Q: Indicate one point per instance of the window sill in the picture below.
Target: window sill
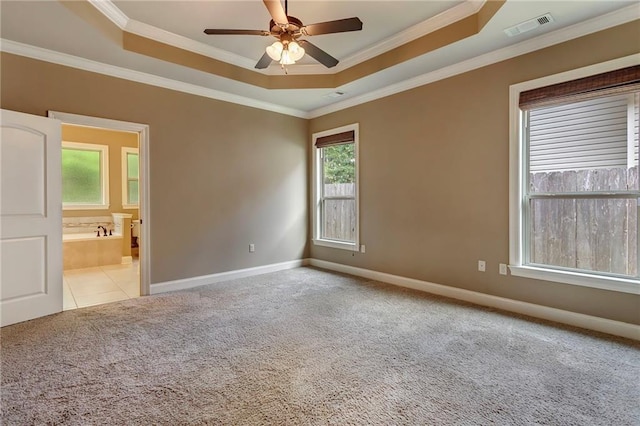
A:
(129, 206)
(623, 285)
(336, 244)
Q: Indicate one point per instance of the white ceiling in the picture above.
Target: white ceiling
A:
(57, 27)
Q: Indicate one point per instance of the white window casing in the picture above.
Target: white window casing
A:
(613, 149)
(317, 191)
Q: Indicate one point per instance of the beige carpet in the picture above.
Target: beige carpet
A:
(310, 347)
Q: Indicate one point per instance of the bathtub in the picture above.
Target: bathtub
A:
(88, 236)
(86, 250)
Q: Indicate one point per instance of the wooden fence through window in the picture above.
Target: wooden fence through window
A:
(339, 215)
(582, 233)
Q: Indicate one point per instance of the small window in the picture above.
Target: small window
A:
(336, 188)
(575, 196)
(85, 176)
(130, 178)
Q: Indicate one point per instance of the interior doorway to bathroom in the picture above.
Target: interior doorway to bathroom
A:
(104, 194)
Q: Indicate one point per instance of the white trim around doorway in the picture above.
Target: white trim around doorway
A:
(143, 142)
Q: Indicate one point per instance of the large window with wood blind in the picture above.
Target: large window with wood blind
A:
(574, 177)
(335, 188)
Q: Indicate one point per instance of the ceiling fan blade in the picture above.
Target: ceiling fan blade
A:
(264, 62)
(318, 54)
(339, 26)
(236, 32)
(276, 11)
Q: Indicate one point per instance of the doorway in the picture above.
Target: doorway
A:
(124, 215)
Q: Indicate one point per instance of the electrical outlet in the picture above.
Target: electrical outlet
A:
(252, 248)
(482, 265)
(363, 249)
(503, 269)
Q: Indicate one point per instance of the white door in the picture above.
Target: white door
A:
(30, 217)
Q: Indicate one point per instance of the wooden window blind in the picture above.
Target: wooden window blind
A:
(336, 139)
(624, 80)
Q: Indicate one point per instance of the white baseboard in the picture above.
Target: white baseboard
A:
(127, 260)
(224, 276)
(617, 328)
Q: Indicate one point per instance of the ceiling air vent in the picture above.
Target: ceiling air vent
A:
(529, 25)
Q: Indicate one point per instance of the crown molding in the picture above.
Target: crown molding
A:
(599, 23)
(448, 17)
(172, 39)
(51, 56)
(423, 28)
(111, 11)
(122, 21)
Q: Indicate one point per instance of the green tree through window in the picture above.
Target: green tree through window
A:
(339, 163)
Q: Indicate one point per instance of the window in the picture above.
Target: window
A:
(130, 178)
(85, 176)
(574, 178)
(335, 170)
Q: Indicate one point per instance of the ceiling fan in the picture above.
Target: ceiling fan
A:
(287, 30)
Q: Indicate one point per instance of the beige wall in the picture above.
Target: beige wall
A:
(434, 179)
(434, 173)
(221, 175)
(115, 140)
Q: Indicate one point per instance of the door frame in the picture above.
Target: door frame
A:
(143, 151)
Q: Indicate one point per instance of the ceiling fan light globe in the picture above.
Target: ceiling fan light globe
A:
(286, 58)
(298, 55)
(295, 51)
(275, 51)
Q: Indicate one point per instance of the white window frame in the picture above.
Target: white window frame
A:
(104, 178)
(517, 159)
(317, 190)
(125, 177)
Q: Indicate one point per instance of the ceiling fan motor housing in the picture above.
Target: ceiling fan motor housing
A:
(292, 27)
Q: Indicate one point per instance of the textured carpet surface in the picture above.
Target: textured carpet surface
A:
(311, 347)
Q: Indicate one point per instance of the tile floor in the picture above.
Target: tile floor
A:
(103, 284)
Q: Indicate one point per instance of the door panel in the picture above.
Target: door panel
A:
(23, 169)
(22, 262)
(30, 217)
